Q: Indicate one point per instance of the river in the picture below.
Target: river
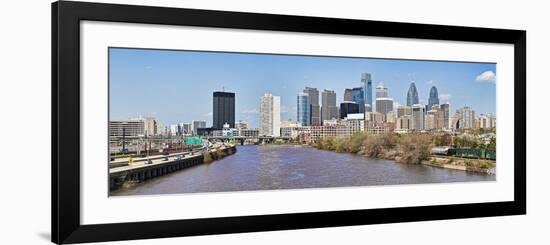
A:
(272, 167)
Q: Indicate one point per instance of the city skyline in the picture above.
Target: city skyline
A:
(177, 86)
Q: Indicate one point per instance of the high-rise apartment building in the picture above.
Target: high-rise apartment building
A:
(270, 115)
(466, 117)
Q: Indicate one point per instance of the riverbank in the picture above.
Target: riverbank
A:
(407, 149)
(470, 165)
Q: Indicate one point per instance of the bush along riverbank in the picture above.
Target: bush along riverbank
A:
(403, 148)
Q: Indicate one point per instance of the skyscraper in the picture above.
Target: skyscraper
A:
(434, 98)
(466, 117)
(224, 110)
(384, 104)
(315, 107)
(366, 83)
(304, 109)
(270, 115)
(418, 117)
(347, 94)
(329, 110)
(446, 111)
(412, 95)
(358, 96)
(381, 91)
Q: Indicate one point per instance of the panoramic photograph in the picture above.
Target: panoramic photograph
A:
(183, 121)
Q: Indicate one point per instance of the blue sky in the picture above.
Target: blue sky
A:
(177, 86)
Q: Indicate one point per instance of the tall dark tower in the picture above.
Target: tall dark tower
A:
(412, 95)
(434, 98)
(224, 110)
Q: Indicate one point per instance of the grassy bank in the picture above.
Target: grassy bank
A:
(408, 148)
(403, 148)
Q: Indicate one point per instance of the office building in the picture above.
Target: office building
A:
(404, 110)
(303, 109)
(357, 96)
(315, 115)
(241, 124)
(186, 128)
(412, 95)
(487, 121)
(404, 122)
(381, 91)
(197, 124)
(374, 117)
(329, 110)
(348, 107)
(446, 114)
(223, 109)
(127, 128)
(434, 98)
(347, 94)
(366, 83)
(418, 116)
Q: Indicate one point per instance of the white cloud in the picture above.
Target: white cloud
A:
(250, 111)
(487, 77)
(445, 97)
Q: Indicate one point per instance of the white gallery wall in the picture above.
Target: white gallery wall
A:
(25, 102)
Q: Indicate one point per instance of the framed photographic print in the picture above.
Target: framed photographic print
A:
(176, 122)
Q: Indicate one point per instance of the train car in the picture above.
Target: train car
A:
(443, 151)
(476, 153)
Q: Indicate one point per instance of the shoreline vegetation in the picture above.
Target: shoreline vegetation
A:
(405, 148)
(218, 153)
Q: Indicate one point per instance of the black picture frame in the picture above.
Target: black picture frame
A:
(65, 171)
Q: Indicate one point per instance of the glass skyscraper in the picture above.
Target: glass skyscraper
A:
(304, 109)
(412, 95)
(366, 83)
(358, 96)
(434, 98)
